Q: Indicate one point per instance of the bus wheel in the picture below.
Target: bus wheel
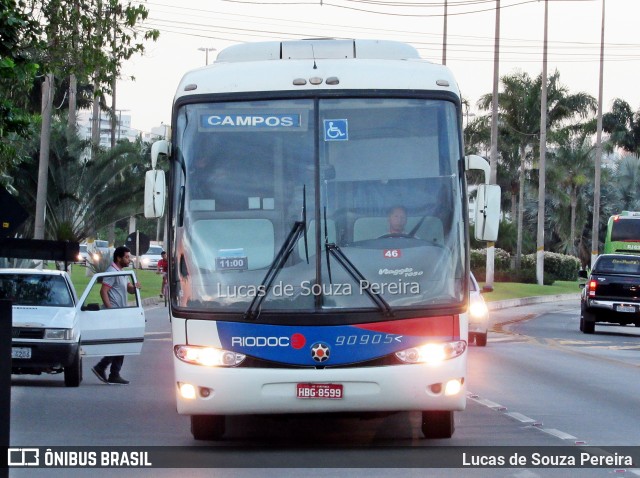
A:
(207, 427)
(437, 424)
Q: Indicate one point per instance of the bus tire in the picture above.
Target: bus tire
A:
(437, 424)
(207, 427)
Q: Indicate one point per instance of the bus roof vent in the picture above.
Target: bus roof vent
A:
(318, 49)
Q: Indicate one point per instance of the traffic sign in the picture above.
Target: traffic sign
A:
(132, 242)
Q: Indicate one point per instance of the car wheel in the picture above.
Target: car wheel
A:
(437, 424)
(587, 322)
(73, 372)
(207, 427)
(481, 340)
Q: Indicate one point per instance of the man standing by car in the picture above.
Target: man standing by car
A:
(163, 267)
(114, 295)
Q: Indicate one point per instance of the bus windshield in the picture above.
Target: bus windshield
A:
(360, 200)
(626, 230)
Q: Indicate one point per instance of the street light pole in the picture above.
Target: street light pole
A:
(598, 158)
(444, 36)
(206, 50)
(493, 159)
(543, 154)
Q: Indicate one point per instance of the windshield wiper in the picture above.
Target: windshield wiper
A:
(331, 249)
(356, 275)
(299, 228)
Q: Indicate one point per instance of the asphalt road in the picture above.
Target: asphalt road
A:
(539, 382)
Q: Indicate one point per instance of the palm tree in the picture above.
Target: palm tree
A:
(519, 105)
(623, 126)
(571, 169)
(84, 195)
(627, 177)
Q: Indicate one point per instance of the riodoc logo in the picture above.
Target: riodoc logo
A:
(296, 341)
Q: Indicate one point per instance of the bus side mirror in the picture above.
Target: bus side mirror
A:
(155, 193)
(487, 216)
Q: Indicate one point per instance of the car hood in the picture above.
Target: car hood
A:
(34, 316)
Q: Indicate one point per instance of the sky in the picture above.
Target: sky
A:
(574, 32)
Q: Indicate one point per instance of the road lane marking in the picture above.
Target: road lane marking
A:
(520, 417)
(557, 433)
(523, 418)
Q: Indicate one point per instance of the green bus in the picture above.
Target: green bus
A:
(623, 233)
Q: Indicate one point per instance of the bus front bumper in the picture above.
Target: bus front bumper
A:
(238, 391)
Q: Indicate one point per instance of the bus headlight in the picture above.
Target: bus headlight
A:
(433, 353)
(208, 356)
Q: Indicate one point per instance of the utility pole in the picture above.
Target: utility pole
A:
(43, 167)
(543, 154)
(206, 51)
(493, 159)
(598, 159)
(444, 35)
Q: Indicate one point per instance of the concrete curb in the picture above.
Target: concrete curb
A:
(152, 301)
(541, 299)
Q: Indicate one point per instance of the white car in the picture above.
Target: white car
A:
(98, 249)
(83, 254)
(53, 330)
(478, 314)
(149, 260)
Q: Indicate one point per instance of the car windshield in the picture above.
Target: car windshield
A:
(618, 265)
(35, 289)
(154, 251)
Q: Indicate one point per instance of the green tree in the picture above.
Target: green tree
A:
(519, 106)
(18, 35)
(571, 169)
(91, 37)
(627, 178)
(623, 126)
(85, 194)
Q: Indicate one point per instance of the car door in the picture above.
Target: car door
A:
(114, 331)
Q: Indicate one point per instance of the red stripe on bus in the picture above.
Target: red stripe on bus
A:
(421, 326)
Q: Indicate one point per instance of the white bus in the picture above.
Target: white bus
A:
(289, 291)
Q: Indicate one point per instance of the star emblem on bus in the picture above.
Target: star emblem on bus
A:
(320, 352)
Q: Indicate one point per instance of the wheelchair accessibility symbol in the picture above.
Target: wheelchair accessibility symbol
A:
(336, 130)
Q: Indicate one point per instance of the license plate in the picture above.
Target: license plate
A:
(625, 308)
(20, 353)
(323, 391)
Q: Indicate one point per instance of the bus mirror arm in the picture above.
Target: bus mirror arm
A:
(473, 161)
(159, 148)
